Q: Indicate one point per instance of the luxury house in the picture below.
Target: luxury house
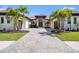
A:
(38, 21)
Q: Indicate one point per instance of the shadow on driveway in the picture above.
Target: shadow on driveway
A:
(48, 32)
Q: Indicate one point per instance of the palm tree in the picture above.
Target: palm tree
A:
(61, 15)
(23, 10)
(16, 15)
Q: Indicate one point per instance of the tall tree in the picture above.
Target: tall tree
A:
(14, 13)
(17, 14)
(61, 15)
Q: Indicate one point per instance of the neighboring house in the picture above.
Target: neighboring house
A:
(69, 23)
(7, 24)
(38, 21)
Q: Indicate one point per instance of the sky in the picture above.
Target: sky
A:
(42, 9)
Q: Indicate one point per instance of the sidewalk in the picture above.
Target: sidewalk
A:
(73, 44)
(4, 44)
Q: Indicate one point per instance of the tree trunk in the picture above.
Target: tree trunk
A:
(70, 26)
(62, 25)
(59, 28)
(15, 24)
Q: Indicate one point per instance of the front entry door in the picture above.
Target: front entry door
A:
(40, 24)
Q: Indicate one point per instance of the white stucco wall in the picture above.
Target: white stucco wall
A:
(52, 24)
(25, 24)
(7, 26)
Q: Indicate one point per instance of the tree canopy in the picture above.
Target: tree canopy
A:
(62, 13)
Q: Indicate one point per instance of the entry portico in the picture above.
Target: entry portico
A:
(39, 21)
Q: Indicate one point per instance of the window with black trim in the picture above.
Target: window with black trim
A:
(8, 19)
(75, 20)
(69, 20)
(2, 19)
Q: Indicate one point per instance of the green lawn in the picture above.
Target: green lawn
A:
(68, 36)
(11, 36)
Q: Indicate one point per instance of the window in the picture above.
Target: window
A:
(2, 19)
(40, 19)
(8, 19)
(69, 20)
(75, 20)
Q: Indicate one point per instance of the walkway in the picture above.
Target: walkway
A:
(39, 41)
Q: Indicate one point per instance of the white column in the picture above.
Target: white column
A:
(37, 22)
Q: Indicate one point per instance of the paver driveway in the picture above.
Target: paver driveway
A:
(38, 41)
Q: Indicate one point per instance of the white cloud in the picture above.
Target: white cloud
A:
(73, 8)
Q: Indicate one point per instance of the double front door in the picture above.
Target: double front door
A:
(40, 24)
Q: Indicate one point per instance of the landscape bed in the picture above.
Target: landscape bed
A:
(11, 36)
(68, 36)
